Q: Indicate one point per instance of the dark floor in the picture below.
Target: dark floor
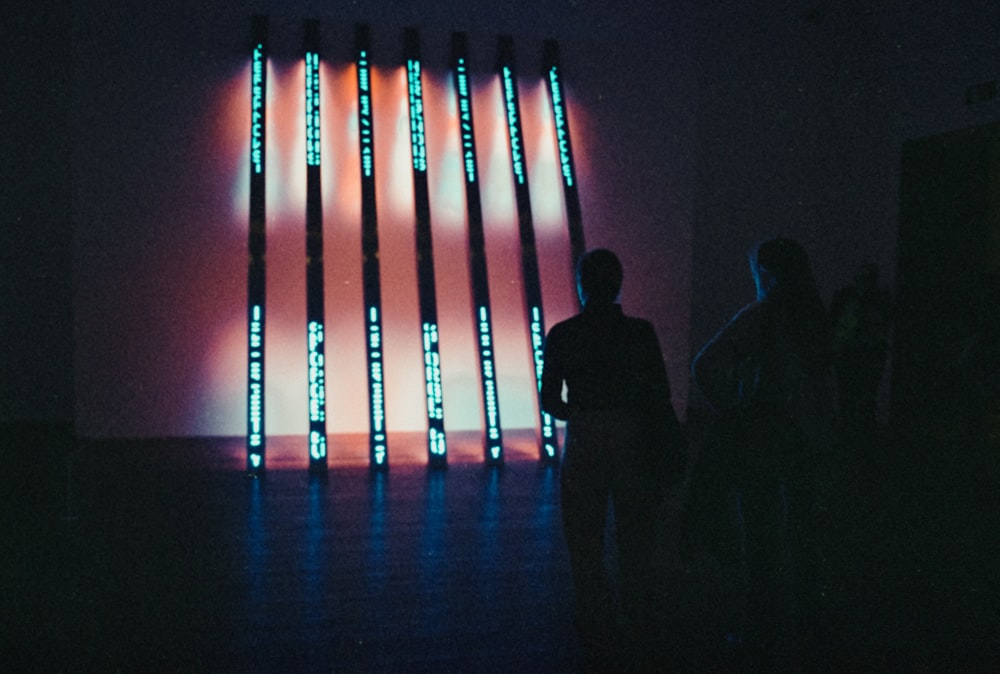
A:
(163, 556)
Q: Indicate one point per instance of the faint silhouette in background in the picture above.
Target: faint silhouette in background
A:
(861, 316)
(767, 374)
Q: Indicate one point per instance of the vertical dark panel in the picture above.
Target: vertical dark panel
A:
(377, 441)
(478, 269)
(529, 254)
(315, 322)
(256, 272)
(560, 118)
(944, 308)
(427, 293)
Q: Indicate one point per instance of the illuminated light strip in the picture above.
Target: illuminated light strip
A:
(256, 271)
(365, 130)
(317, 393)
(257, 88)
(418, 142)
(491, 402)
(315, 332)
(427, 293)
(461, 74)
(435, 406)
(312, 109)
(377, 433)
(513, 124)
(493, 444)
(549, 449)
(255, 437)
(562, 127)
(560, 118)
(378, 453)
(537, 349)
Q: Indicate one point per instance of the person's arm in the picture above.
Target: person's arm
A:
(664, 453)
(655, 370)
(716, 367)
(553, 377)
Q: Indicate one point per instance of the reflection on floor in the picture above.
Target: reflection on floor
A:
(161, 555)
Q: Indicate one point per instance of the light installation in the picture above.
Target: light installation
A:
(256, 276)
(560, 118)
(529, 256)
(493, 445)
(315, 333)
(427, 294)
(429, 325)
(378, 455)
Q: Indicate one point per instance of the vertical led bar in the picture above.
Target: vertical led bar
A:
(315, 332)
(256, 271)
(378, 455)
(529, 256)
(560, 118)
(483, 319)
(427, 294)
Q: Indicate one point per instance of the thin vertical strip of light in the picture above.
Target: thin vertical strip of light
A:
(315, 322)
(256, 276)
(548, 448)
(378, 453)
(426, 291)
(560, 119)
(478, 270)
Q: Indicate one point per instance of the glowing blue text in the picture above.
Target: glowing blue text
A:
(377, 402)
(562, 129)
(432, 379)
(537, 341)
(256, 402)
(465, 122)
(365, 116)
(312, 109)
(257, 110)
(489, 382)
(317, 390)
(417, 140)
(516, 156)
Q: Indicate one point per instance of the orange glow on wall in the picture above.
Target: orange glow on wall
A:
(220, 406)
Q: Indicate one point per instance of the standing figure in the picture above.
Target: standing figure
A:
(860, 315)
(767, 374)
(623, 441)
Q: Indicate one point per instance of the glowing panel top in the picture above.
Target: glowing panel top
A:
(562, 128)
(513, 125)
(365, 115)
(257, 110)
(465, 120)
(417, 138)
(312, 109)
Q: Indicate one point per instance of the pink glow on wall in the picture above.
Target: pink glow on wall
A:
(220, 410)
(160, 217)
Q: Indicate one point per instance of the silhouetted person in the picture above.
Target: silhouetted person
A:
(620, 432)
(767, 375)
(861, 321)
(975, 398)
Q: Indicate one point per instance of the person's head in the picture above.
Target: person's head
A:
(785, 282)
(598, 277)
(780, 267)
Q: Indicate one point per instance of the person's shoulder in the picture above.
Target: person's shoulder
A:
(637, 323)
(754, 311)
(746, 321)
(564, 327)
